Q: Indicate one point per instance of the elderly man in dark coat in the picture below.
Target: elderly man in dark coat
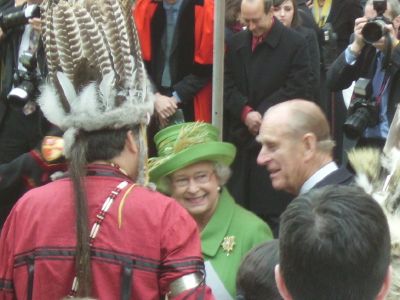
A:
(265, 64)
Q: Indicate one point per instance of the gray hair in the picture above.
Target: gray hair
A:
(223, 172)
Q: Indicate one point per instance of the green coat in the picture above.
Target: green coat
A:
(236, 223)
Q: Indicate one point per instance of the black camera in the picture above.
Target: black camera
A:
(375, 28)
(26, 82)
(19, 16)
(363, 111)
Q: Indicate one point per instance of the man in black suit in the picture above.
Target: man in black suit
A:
(297, 148)
(265, 64)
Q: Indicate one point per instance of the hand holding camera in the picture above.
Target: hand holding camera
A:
(377, 30)
(358, 43)
(36, 24)
(19, 16)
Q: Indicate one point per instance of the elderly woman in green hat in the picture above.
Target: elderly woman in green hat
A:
(192, 166)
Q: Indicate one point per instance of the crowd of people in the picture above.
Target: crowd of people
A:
(114, 184)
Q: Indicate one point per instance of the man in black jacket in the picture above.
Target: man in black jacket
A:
(265, 64)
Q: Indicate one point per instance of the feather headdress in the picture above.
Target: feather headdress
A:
(378, 173)
(96, 76)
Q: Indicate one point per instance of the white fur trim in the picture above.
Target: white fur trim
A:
(94, 107)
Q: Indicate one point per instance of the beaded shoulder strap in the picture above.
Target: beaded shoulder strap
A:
(96, 226)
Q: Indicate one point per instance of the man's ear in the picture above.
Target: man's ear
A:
(130, 142)
(385, 285)
(310, 145)
(280, 283)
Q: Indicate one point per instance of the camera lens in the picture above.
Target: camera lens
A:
(22, 93)
(356, 123)
(373, 31)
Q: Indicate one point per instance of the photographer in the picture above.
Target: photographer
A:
(21, 123)
(374, 54)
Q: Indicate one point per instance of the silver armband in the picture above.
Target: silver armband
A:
(184, 283)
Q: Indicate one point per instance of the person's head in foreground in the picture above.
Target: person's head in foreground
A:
(192, 167)
(296, 142)
(256, 275)
(334, 244)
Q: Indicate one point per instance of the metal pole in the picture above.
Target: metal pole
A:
(218, 64)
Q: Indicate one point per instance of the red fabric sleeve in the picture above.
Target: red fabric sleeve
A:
(7, 260)
(142, 13)
(181, 252)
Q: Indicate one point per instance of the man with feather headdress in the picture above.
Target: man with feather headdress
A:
(100, 231)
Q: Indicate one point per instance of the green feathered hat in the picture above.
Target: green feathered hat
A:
(181, 145)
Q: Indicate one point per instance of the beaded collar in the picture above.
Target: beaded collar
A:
(106, 170)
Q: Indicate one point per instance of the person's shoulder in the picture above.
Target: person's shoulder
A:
(151, 195)
(305, 31)
(154, 202)
(308, 33)
(160, 209)
(292, 36)
(254, 229)
(45, 191)
(247, 219)
(42, 198)
(238, 39)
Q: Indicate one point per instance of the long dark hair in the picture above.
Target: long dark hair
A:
(102, 144)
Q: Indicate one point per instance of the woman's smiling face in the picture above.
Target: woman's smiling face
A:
(196, 188)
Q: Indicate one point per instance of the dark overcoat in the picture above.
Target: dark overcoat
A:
(277, 70)
(340, 176)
